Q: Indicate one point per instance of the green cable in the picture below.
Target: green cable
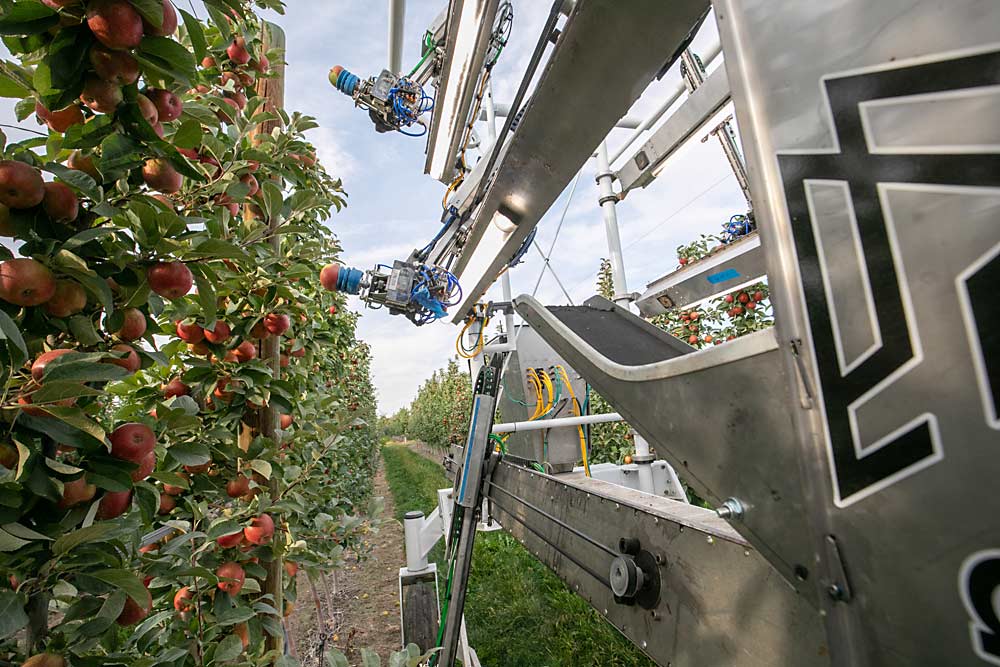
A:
(429, 46)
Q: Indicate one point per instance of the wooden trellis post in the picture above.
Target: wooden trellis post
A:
(272, 89)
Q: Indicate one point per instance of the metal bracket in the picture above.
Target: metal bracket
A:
(635, 575)
(839, 588)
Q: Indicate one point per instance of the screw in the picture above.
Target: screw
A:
(659, 559)
(835, 592)
(644, 643)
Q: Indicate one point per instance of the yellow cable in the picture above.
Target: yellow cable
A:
(577, 413)
(549, 390)
(480, 342)
(536, 384)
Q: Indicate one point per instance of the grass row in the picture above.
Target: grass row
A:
(519, 613)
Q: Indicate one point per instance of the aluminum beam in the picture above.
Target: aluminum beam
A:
(606, 54)
(720, 603)
(469, 25)
(733, 265)
(640, 170)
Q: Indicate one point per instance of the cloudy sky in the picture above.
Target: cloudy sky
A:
(393, 207)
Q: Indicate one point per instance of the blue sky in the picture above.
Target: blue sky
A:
(393, 207)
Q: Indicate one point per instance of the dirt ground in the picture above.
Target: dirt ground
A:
(357, 607)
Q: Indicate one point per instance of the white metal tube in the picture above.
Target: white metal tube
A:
(608, 199)
(540, 424)
(397, 16)
(710, 55)
(645, 469)
(412, 523)
(491, 115)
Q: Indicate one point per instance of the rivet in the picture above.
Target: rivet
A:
(656, 520)
(644, 643)
(710, 539)
(746, 552)
(617, 507)
(605, 612)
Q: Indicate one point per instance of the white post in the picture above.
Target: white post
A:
(397, 15)
(491, 115)
(412, 523)
(644, 460)
(607, 200)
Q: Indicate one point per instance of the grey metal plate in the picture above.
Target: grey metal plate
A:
(731, 266)
(559, 447)
(693, 113)
(607, 53)
(872, 142)
(720, 602)
(720, 416)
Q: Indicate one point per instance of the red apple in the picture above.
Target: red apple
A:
(148, 109)
(117, 67)
(115, 23)
(25, 282)
(234, 572)
(237, 51)
(132, 442)
(101, 96)
(38, 367)
(328, 276)
(286, 421)
(129, 362)
(69, 299)
(21, 185)
(175, 388)
(170, 279)
(114, 504)
(260, 530)
(62, 119)
(229, 541)
(133, 612)
(160, 175)
(76, 492)
(167, 27)
(246, 351)
(182, 599)
(133, 325)
(219, 334)
(146, 467)
(168, 105)
(238, 486)
(167, 504)
(190, 333)
(277, 323)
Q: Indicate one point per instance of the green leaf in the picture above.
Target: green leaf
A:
(98, 532)
(166, 58)
(61, 431)
(229, 648)
(188, 135)
(206, 295)
(261, 466)
(12, 616)
(83, 330)
(151, 10)
(27, 18)
(82, 368)
(189, 453)
(232, 615)
(216, 248)
(119, 154)
(113, 605)
(77, 180)
(89, 134)
(124, 580)
(59, 77)
(369, 658)
(10, 542)
(86, 236)
(17, 530)
(334, 658)
(10, 332)
(52, 392)
(222, 527)
(13, 82)
(272, 199)
(197, 35)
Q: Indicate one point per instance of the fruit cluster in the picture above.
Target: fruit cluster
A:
(138, 289)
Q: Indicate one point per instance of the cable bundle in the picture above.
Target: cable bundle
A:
(408, 102)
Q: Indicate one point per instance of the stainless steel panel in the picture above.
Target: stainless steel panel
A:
(560, 446)
(894, 104)
(721, 417)
(732, 266)
(720, 602)
(607, 53)
(702, 104)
